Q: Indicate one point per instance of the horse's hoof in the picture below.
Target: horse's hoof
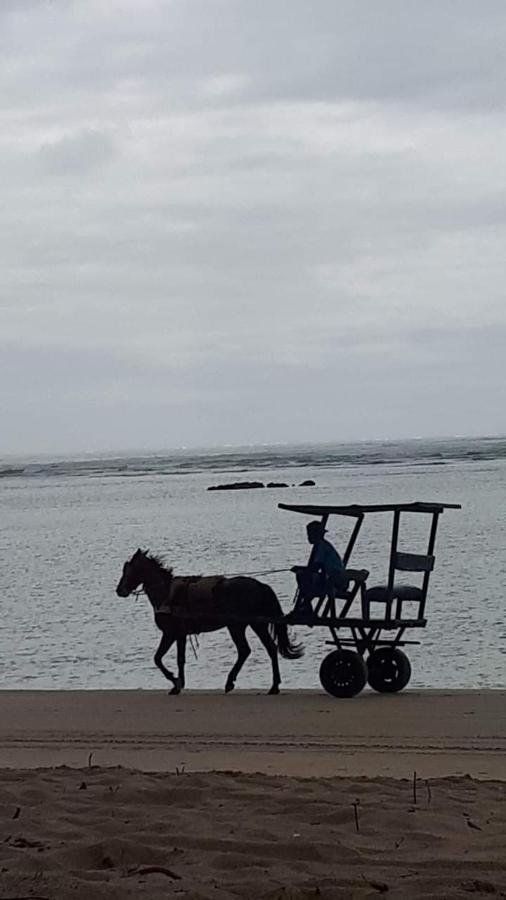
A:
(229, 687)
(274, 690)
(175, 690)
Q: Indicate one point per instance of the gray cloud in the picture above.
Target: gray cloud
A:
(259, 220)
(78, 153)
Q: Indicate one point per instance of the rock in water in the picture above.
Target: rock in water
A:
(236, 486)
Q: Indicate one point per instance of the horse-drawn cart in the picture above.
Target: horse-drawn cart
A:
(350, 614)
(367, 645)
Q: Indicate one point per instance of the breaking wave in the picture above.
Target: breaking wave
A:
(242, 459)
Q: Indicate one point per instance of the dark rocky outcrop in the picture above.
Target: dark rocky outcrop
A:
(277, 484)
(236, 486)
(307, 483)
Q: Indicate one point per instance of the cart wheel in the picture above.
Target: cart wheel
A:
(343, 673)
(389, 670)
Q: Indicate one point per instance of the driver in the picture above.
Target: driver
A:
(324, 573)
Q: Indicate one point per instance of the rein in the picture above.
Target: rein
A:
(241, 574)
(138, 593)
(140, 590)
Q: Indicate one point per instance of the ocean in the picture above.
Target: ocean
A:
(68, 525)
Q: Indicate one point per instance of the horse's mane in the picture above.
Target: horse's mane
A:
(158, 561)
(168, 572)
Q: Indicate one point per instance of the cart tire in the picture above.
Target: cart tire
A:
(389, 670)
(343, 673)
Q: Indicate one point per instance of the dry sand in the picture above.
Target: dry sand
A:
(98, 833)
(183, 830)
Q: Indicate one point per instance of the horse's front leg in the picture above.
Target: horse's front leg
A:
(165, 644)
(181, 659)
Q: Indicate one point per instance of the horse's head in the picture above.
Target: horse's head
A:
(133, 574)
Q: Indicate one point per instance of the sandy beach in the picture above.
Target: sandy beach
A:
(128, 794)
(298, 733)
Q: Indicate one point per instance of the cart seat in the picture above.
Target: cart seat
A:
(353, 581)
(401, 593)
(380, 592)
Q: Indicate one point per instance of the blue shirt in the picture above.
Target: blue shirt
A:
(326, 558)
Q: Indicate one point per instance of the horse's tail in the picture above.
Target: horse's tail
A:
(286, 646)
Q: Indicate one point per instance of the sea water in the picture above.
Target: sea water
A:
(68, 525)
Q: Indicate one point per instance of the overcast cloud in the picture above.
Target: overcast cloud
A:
(227, 221)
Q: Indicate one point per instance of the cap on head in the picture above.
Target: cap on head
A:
(315, 530)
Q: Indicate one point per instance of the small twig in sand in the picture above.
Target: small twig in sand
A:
(355, 810)
(476, 886)
(16, 814)
(429, 792)
(24, 843)
(180, 771)
(380, 886)
(156, 870)
(90, 757)
(414, 788)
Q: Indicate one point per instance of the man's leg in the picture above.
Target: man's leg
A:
(310, 585)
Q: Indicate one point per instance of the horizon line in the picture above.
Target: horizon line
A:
(229, 447)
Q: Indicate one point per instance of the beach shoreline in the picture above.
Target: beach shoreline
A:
(123, 795)
(299, 733)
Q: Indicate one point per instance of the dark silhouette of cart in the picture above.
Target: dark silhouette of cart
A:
(387, 611)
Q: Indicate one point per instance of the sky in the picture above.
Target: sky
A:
(233, 222)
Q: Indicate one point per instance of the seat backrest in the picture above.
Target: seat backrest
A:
(413, 562)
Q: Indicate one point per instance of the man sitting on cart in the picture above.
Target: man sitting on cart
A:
(323, 575)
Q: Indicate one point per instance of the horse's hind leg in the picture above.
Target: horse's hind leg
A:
(165, 644)
(238, 635)
(181, 659)
(262, 631)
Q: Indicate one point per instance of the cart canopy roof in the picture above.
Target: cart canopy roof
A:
(315, 509)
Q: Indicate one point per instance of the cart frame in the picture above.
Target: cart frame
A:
(376, 658)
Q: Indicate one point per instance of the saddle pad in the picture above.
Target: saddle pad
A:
(191, 595)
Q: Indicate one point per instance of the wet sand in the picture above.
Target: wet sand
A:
(436, 733)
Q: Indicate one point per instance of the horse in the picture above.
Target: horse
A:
(234, 603)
